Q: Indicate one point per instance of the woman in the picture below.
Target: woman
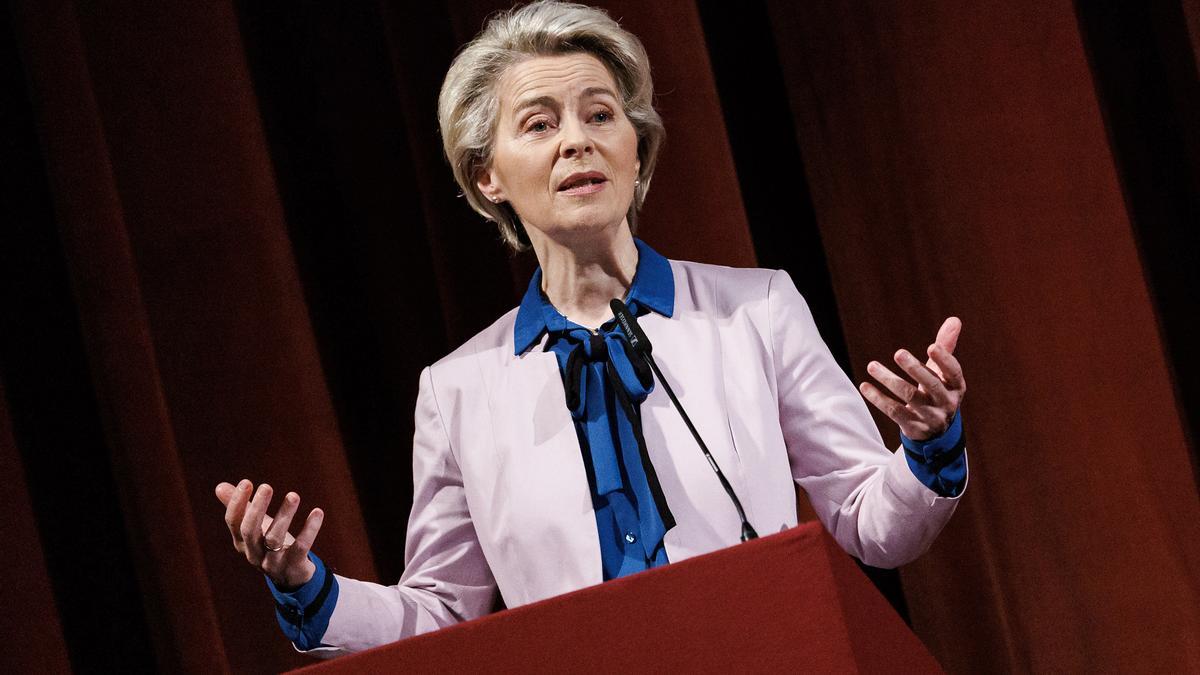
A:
(545, 459)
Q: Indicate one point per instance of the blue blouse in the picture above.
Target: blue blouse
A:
(604, 389)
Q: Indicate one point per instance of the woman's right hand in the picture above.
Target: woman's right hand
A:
(264, 540)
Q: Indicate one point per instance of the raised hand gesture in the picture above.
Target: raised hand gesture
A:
(925, 406)
(264, 540)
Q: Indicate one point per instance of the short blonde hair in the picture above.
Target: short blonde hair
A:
(468, 106)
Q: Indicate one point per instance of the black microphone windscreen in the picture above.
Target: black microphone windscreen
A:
(637, 339)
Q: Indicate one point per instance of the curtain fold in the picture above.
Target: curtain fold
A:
(197, 334)
(154, 493)
(33, 611)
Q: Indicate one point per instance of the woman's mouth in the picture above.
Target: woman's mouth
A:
(583, 183)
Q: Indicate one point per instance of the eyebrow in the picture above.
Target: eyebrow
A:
(537, 101)
(595, 91)
(550, 102)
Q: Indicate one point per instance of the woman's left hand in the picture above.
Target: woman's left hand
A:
(925, 409)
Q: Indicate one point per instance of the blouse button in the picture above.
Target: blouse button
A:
(629, 537)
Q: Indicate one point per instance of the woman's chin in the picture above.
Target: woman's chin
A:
(585, 223)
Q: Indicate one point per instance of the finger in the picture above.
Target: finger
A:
(298, 551)
(225, 492)
(235, 511)
(925, 377)
(949, 369)
(948, 334)
(902, 388)
(252, 532)
(276, 535)
(888, 405)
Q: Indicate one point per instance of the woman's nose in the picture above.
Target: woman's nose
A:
(575, 140)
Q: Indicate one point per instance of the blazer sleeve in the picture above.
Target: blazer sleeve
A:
(445, 580)
(864, 494)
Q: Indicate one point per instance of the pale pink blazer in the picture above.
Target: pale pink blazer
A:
(501, 498)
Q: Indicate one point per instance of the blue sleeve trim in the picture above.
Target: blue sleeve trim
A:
(931, 449)
(940, 462)
(304, 613)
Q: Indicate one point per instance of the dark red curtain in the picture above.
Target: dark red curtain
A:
(1080, 546)
(230, 243)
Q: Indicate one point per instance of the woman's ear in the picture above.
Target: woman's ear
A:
(486, 181)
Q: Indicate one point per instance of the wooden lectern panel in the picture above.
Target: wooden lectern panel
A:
(790, 602)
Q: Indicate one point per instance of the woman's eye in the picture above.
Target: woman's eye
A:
(538, 127)
(602, 117)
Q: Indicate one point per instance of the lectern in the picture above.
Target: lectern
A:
(791, 602)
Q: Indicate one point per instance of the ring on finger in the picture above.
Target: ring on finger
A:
(267, 545)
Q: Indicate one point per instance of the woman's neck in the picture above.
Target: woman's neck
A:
(581, 279)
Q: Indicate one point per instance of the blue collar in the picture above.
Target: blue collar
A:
(653, 287)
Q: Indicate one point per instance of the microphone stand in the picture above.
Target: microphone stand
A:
(641, 345)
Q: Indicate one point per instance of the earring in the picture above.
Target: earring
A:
(637, 184)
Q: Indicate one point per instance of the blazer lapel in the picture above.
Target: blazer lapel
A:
(542, 490)
(688, 352)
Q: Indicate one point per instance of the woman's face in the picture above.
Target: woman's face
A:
(565, 154)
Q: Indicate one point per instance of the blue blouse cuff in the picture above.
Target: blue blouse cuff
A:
(303, 613)
(940, 462)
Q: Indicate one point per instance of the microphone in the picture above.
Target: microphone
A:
(641, 346)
